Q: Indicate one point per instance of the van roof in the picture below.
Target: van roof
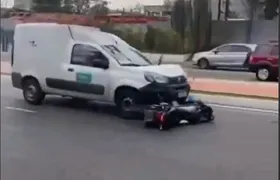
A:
(77, 32)
(49, 24)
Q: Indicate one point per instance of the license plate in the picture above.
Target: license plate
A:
(182, 94)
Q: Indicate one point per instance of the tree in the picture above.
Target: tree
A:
(4, 3)
(251, 6)
(68, 6)
(138, 7)
(271, 8)
(168, 4)
(91, 7)
(47, 6)
(227, 10)
(99, 9)
(178, 19)
(224, 7)
(81, 6)
(219, 9)
(201, 26)
(150, 37)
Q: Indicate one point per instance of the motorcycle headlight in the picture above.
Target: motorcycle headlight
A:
(154, 77)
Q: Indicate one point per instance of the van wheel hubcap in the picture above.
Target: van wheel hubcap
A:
(127, 103)
(263, 74)
(31, 92)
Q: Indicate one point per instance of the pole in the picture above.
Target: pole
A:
(227, 10)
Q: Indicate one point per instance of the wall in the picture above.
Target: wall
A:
(239, 7)
(235, 31)
(265, 30)
(23, 4)
(6, 36)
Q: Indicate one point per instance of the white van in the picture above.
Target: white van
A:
(85, 63)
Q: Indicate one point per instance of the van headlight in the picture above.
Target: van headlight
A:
(155, 77)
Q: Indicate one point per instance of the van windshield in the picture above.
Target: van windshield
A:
(127, 56)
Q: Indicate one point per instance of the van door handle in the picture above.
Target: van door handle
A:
(70, 69)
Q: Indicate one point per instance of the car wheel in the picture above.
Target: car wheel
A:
(263, 74)
(203, 63)
(125, 101)
(32, 91)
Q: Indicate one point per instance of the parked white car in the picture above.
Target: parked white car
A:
(87, 64)
(234, 55)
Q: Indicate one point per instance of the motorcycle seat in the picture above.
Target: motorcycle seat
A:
(187, 108)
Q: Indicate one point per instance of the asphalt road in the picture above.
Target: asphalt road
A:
(62, 141)
(220, 73)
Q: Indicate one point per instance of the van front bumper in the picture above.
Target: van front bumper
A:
(150, 93)
(16, 80)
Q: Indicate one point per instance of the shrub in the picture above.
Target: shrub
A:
(167, 41)
(150, 38)
(154, 40)
(134, 38)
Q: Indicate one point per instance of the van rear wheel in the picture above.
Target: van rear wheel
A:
(32, 91)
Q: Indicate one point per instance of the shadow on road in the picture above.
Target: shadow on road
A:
(100, 110)
(79, 105)
(219, 69)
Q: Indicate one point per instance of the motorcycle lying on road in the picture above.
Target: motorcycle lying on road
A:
(167, 115)
(169, 112)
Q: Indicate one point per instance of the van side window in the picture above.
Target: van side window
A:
(85, 54)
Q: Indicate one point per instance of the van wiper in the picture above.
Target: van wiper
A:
(130, 64)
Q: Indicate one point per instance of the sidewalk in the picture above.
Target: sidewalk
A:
(264, 90)
(6, 67)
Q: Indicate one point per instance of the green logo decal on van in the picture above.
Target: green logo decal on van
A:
(83, 77)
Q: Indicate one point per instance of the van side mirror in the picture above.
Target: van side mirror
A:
(100, 63)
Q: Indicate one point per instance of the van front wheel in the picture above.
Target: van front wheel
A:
(32, 91)
(125, 101)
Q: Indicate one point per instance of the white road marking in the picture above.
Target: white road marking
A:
(245, 108)
(21, 109)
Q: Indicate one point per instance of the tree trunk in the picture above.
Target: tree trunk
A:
(251, 20)
(219, 9)
(227, 10)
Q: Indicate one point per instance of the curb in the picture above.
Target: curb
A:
(235, 95)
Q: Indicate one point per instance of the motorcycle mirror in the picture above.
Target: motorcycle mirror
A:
(160, 60)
